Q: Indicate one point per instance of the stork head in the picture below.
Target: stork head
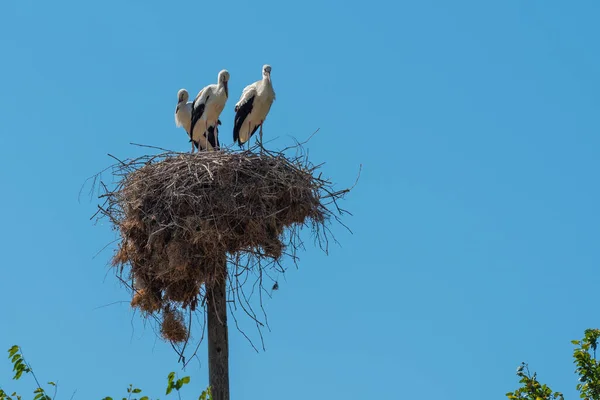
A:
(223, 80)
(182, 96)
(266, 71)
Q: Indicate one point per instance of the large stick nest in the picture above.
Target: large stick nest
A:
(179, 214)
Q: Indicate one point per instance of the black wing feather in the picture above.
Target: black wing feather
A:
(196, 115)
(240, 115)
(211, 138)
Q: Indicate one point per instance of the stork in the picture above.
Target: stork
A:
(253, 107)
(183, 115)
(206, 109)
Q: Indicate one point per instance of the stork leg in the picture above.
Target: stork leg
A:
(216, 136)
(206, 134)
(249, 130)
(261, 137)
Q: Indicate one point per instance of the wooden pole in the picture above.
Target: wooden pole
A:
(218, 341)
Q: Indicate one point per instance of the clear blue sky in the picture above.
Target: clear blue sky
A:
(476, 223)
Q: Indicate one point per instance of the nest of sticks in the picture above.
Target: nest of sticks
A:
(180, 215)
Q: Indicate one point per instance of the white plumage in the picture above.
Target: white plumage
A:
(183, 112)
(206, 109)
(252, 108)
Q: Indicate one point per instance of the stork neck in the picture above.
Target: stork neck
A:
(222, 86)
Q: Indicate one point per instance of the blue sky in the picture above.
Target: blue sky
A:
(476, 229)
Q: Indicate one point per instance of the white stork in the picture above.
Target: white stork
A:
(253, 107)
(207, 107)
(183, 114)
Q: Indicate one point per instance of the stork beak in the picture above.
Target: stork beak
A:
(225, 84)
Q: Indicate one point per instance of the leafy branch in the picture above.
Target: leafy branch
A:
(21, 368)
(531, 388)
(587, 367)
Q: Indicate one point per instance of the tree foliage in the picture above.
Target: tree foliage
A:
(585, 359)
(531, 388)
(587, 367)
(21, 367)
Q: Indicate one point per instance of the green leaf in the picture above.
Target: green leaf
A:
(206, 395)
(185, 379)
(144, 398)
(51, 383)
(170, 387)
(136, 391)
(171, 376)
(107, 398)
(12, 351)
